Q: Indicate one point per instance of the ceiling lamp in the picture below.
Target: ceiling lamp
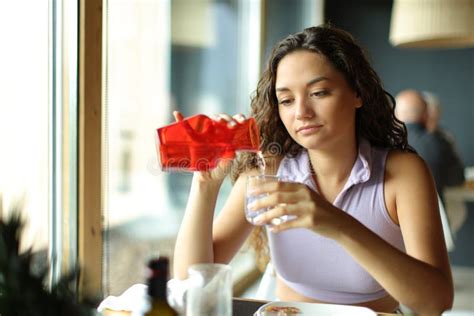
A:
(432, 23)
(192, 23)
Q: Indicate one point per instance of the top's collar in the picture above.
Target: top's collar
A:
(301, 170)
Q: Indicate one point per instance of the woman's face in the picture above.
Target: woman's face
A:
(315, 103)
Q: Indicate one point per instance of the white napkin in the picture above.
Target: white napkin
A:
(134, 299)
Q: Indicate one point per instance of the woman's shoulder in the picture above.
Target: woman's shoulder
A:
(405, 164)
(405, 173)
(398, 157)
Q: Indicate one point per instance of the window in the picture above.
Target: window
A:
(155, 64)
(25, 119)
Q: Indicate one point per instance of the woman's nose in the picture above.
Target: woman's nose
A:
(303, 109)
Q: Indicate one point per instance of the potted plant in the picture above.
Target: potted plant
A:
(24, 292)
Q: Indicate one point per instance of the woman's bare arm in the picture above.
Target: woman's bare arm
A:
(421, 278)
(200, 240)
(194, 240)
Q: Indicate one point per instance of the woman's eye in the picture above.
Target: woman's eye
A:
(321, 93)
(285, 102)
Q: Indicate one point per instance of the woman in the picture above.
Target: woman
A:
(365, 228)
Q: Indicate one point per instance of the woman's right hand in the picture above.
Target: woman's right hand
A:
(223, 168)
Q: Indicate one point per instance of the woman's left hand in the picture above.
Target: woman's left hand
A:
(305, 207)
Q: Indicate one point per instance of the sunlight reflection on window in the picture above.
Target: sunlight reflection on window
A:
(24, 115)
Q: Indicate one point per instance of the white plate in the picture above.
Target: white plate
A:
(318, 309)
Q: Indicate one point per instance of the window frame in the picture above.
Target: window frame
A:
(90, 199)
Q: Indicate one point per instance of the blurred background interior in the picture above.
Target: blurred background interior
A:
(85, 83)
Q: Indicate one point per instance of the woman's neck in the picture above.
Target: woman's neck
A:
(333, 166)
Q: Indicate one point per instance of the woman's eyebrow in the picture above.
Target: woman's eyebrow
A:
(316, 80)
(309, 83)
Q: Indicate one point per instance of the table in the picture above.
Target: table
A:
(247, 307)
(455, 199)
(240, 307)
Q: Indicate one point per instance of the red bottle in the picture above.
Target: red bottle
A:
(198, 142)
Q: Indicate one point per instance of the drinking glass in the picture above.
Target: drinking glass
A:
(252, 183)
(211, 292)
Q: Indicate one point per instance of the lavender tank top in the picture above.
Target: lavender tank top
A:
(318, 267)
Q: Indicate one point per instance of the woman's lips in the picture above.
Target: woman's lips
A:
(310, 129)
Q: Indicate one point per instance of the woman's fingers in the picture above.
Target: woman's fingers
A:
(277, 212)
(178, 116)
(232, 121)
(285, 216)
(239, 117)
(291, 223)
(271, 198)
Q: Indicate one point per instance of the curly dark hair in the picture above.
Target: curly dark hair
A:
(375, 120)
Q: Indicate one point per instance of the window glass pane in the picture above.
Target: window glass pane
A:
(160, 56)
(136, 102)
(24, 116)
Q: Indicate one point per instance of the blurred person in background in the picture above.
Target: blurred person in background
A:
(432, 122)
(433, 111)
(428, 140)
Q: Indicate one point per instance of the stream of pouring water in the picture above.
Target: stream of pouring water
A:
(261, 162)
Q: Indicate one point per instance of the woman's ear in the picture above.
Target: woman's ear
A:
(359, 102)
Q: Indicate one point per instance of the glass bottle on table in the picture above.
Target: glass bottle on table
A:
(157, 277)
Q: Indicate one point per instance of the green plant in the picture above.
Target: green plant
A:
(24, 293)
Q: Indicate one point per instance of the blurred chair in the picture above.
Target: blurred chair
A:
(448, 235)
